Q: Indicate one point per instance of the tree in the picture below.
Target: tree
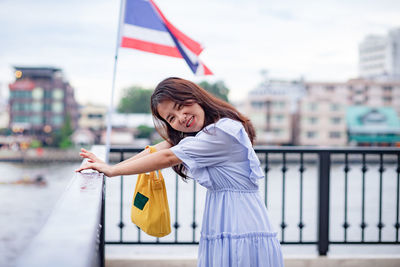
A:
(145, 131)
(218, 89)
(135, 99)
(62, 137)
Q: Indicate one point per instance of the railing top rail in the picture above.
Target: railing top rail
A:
(69, 237)
(298, 149)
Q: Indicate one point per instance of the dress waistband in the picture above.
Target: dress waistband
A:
(233, 190)
(238, 236)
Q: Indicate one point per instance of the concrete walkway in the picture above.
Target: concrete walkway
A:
(364, 261)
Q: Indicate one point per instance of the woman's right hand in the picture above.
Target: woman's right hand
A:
(92, 158)
(97, 166)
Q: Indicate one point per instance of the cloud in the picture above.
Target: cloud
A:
(317, 39)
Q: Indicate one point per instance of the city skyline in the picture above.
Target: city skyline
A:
(316, 41)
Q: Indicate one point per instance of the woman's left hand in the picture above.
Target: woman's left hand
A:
(90, 156)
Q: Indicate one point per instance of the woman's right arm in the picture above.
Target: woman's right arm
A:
(160, 146)
(93, 158)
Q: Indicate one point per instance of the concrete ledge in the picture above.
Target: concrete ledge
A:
(364, 261)
(150, 263)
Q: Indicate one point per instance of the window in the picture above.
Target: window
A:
(36, 120)
(336, 120)
(37, 93)
(95, 116)
(311, 134)
(330, 88)
(313, 120)
(37, 106)
(279, 104)
(57, 107)
(387, 99)
(21, 119)
(334, 135)
(279, 118)
(278, 131)
(57, 120)
(58, 93)
(256, 104)
(21, 107)
(335, 107)
(21, 94)
(313, 106)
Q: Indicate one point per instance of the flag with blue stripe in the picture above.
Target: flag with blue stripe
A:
(146, 28)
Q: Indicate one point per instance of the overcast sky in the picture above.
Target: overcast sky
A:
(314, 39)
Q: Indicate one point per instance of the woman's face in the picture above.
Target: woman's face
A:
(187, 118)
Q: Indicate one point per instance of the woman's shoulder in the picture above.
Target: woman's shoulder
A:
(225, 122)
(223, 125)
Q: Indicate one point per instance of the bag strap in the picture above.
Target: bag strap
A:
(158, 176)
(152, 149)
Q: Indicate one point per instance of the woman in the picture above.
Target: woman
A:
(208, 140)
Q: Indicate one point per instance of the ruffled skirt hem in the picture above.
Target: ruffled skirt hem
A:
(258, 249)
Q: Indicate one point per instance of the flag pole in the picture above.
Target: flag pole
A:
(111, 106)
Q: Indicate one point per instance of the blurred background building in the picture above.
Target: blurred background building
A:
(379, 56)
(272, 107)
(322, 115)
(40, 102)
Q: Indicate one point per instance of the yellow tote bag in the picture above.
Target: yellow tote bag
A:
(150, 210)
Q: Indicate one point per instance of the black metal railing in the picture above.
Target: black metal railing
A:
(319, 187)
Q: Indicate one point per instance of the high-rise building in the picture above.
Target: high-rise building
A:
(379, 56)
(40, 101)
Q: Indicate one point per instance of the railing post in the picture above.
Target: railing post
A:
(323, 208)
(102, 221)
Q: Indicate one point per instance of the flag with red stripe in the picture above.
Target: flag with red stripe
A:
(146, 28)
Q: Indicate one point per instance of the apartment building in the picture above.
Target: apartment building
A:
(271, 107)
(322, 115)
(40, 100)
(373, 93)
(379, 56)
(323, 112)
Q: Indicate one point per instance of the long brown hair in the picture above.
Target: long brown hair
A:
(185, 92)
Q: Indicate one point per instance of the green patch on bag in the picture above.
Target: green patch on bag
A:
(140, 201)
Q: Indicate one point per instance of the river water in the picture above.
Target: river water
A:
(25, 208)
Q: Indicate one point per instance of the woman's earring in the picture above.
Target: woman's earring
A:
(181, 134)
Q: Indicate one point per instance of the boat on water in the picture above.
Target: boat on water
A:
(39, 180)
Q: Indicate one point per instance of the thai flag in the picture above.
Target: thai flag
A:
(146, 28)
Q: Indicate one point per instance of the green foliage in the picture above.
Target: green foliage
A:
(135, 100)
(145, 131)
(36, 143)
(62, 137)
(218, 89)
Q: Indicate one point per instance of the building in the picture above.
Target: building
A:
(379, 56)
(322, 115)
(92, 117)
(271, 107)
(323, 112)
(40, 101)
(373, 126)
(373, 93)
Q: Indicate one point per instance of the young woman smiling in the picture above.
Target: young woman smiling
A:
(208, 140)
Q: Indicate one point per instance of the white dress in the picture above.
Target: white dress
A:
(236, 230)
